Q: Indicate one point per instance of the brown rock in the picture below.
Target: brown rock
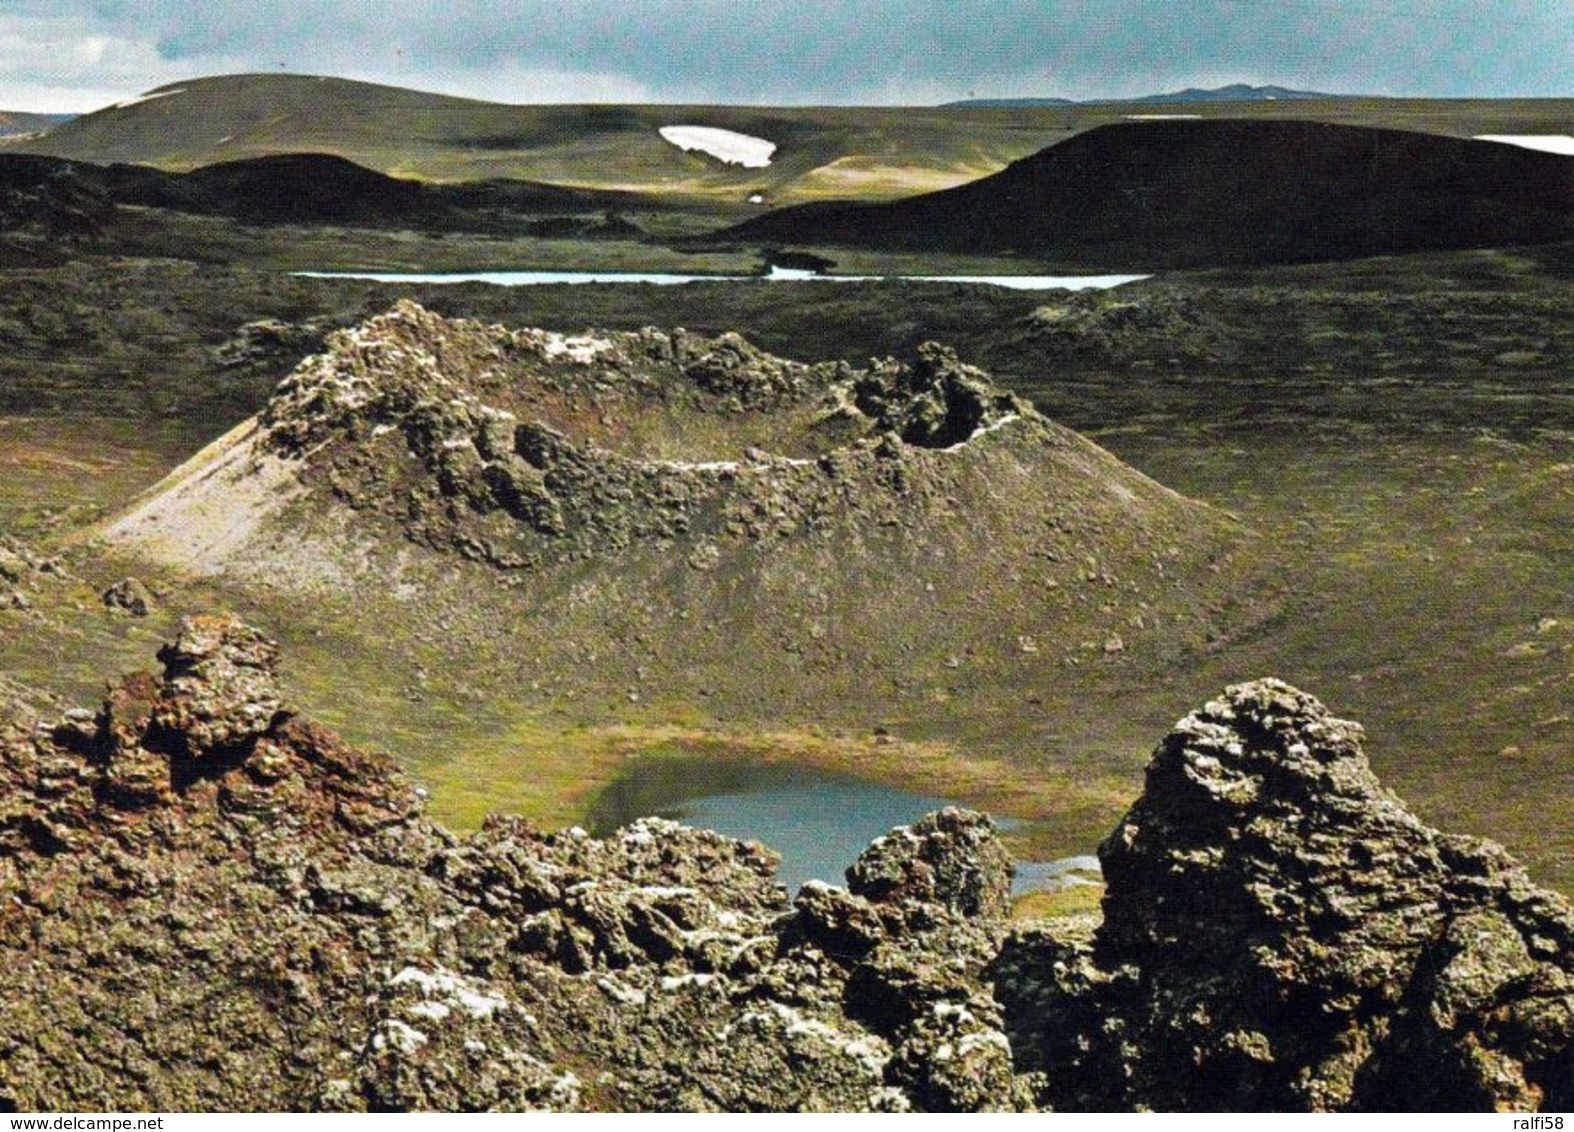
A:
(219, 690)
(953, 857)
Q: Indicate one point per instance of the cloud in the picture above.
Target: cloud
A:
(792, 51)
(69, 62)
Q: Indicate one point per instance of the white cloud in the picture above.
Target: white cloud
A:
(67, 64)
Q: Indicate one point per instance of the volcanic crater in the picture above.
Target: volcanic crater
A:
(676, 501)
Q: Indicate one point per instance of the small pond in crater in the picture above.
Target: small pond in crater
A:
(817, 820)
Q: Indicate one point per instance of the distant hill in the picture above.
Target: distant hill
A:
(1011, 103)
(1178, 194)
(840, 152)
(408, 133)
(1234, 92)
(13, 122)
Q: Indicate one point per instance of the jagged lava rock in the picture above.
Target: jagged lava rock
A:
(208, 901)
(219, 689)
(1281, 933)
(952, 857)
(128, 596)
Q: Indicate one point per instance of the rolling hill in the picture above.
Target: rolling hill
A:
(438, 137)
(864, 153)
(1148, 195)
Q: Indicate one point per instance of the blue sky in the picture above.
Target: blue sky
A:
(73, 55)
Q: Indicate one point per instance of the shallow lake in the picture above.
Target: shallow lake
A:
(775, 275)
(818, 821)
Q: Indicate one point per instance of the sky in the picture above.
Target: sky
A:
(78, 55)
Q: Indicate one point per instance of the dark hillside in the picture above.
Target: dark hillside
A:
(44, 198)
(318, 188)
(1185, 194)
(312, 189)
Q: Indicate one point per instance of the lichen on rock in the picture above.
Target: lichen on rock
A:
(952, 857)
(1281, 932)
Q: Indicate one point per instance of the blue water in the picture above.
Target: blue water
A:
(818, 822)
(776, 275)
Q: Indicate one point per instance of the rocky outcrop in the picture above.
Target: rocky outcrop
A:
(1113, 328)
(50, 200)
(128, 596)
(1280, 932)
(211, 902)
(952, 857)
(520, 447)
(208, 901)
(269, 345)
(22, 570)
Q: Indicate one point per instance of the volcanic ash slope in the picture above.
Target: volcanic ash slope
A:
(647, 508)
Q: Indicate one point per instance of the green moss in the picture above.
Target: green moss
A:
(1077, 900)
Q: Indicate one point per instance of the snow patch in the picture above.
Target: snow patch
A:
(1562, 144)
(725, 145)
(141, 98)
(1163, 117)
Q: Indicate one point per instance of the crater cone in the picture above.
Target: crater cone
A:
(686, 514)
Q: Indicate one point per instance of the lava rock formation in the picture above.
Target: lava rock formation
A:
(208, 901)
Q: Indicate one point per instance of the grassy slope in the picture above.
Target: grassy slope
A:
(853, 152)
(437, 137)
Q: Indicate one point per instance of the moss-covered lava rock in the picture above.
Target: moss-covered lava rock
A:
(208, 901)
